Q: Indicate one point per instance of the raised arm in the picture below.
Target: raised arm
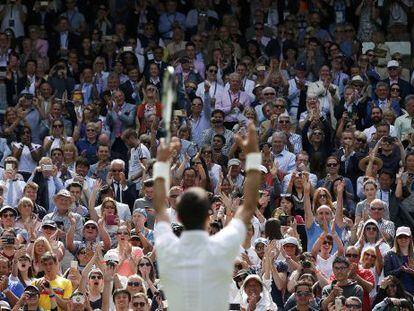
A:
(309, 218)
(250, 147)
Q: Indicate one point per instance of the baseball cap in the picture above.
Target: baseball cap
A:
(260, 240)
(233, 162)
(393, 63)
(263, 169)
(8, 208)
(91, 222)
(64, 193)
(403, 231)
(111, 257)
(32, 288)
(141, 211)
(49, 223)
(290, 240)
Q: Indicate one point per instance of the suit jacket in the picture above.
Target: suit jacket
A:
(126, 116)
(128, 196)
(54, 45)
(23, 83)
(357, 113)
(128, 90)
(43, 191)
(35, 18)
(405, 87)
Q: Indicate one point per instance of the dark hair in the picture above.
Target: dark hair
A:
(215, 111)
(121, 291)
(192, 209)
(74, 184)
(81, 161)
(303, 283)
(47, 256)
(341, 259)
(222, 138)
(272, 229)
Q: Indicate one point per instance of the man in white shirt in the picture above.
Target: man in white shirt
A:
(199, 263)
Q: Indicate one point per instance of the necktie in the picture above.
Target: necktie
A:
(10, 194)
(46, 195)
(118, 192)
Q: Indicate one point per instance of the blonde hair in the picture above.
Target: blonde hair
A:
(37, 257)
(24, 200)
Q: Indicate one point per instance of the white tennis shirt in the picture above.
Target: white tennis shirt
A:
(196, 269)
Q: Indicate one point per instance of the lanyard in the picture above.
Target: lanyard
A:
(238, 97)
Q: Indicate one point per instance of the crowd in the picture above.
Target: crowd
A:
(329, 87)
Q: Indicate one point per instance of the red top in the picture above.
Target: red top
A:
(141, 110)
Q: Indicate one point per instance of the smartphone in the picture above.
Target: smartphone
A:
(127, 49)
(234, 307)
(47, 167)
(9, 167)
(110, 220)
(79, 299)
(74, 264)
(107, 38)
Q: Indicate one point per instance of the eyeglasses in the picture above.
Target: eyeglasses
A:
(90, 227)
(122, 233)
(352, 255)
(139, 304)
(49, 228)
(8, 215)
(135, 284)
(96, 277)
(340, 268)
(284, 121)
(58, 125)
(377, 208)
(302, 294)
(352, 306)
(332, 164)
(370, 255)
(371, 228)
(146, 264)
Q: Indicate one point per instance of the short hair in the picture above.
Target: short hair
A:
(81, 161)
(279, 134)
(215, 111)
(304, 283)
(118, 161)
(74, 184)
(192, 208)
(31, 184)
(48, 256)
(129, 133)
(120, 291)
(223, 139)
(382, 84)
(408, 99)
(148, 183)
(341, 259)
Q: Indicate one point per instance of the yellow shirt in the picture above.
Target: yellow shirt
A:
(61, 286)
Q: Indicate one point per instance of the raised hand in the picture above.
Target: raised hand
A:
(251, 143)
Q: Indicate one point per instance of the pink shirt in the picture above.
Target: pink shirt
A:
(126, 267)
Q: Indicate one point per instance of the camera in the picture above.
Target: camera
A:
(9, 240)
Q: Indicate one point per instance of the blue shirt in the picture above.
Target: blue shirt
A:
(84, 146)
(315, 231)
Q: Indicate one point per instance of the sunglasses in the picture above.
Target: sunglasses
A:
(90, 227)
(58, 125)
(8, 215)
(284, 121)
(269, 94)
(145, 264)
(323, 195)
(317, 133)
(82, 252)
(352, 255)
(135, 284)
(332, 164)
(352, 306)
(302, 294)
(212, 70)
(96, 277)
(327, 242)
(90, 130)
(122, 233)
(49, 228)
(395, 89)
(371, 228)
(139, 304)
(360, 140)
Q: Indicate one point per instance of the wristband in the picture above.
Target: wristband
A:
(162, 170)
(253, 161)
